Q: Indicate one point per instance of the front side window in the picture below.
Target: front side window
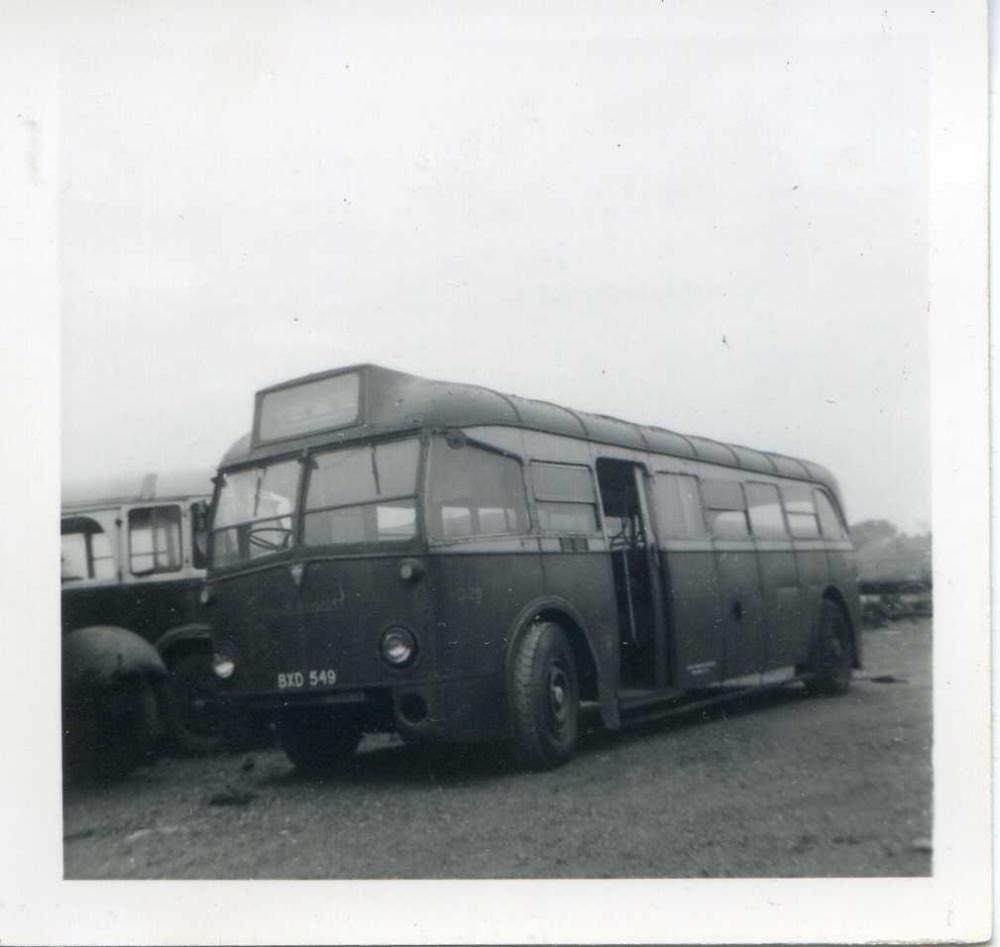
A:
(86, 551)
(726, 510)
(764, 505)
(473, 492)
(678, 506)
(564, 498)
(801, 509)
(253, 515)
(362, 494)
(154, 539)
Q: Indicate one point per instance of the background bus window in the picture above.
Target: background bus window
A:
(829, 521)
(678, 506)
(86, 551)
(764, 505)
(473, 492)
(363, 494)
(802, 520)
(564, 498)
(726, 509)
(154, 539)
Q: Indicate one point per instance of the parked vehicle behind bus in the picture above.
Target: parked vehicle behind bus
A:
(137, 656)
(393, 553)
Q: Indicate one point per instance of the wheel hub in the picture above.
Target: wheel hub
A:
(558, 693)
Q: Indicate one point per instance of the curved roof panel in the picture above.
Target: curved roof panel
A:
(395, 401)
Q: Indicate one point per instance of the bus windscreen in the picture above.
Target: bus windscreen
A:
(313, 406)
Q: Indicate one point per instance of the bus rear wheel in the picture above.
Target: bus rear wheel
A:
(830, 669)
(545, 698)
(316, 742)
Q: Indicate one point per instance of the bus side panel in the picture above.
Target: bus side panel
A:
(476, 599)
(586, 581)
(695, 616)
(742, 609)
(844, 575)
(148, 609)
(814, 576)
(783, 607)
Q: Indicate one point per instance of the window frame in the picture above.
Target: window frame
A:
(709, 508)
(214, 529)
(309, 469)
(807, 488)
(844, 534)
(154, 509)
(786, 535)
(112, 538)
(705, 534)
(424, 481)
(536, 501)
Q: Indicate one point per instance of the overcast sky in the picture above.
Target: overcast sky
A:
(715, 226)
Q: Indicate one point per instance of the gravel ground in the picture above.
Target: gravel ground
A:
(780, 784)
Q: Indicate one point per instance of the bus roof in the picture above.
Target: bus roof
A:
(394, 401)
(136, 488)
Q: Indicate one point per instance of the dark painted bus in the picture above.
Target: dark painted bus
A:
(137, 658)
(390, 553)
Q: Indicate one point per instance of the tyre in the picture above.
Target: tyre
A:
(830, 668)
(316, 742)
(196, 720)
(545, 698)
(109, 732)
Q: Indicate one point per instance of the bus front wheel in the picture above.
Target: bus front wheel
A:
(545, 698)
(194, 719)
(316, 742)
(834, 656)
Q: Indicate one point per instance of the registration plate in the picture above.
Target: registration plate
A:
(293, 680)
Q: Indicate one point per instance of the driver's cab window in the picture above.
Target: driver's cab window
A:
(86, 550)
(154, 539)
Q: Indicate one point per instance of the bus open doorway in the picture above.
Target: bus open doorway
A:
(638, 590)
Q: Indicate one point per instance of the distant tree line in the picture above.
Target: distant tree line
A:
(884, 554)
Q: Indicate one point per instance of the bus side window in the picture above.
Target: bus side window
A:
(801, 511)
(86, 552)
(678, 506)
(725, 507)
(154, 539)
(564, 498)
(829, 521)
(474, 492)
(766, 519)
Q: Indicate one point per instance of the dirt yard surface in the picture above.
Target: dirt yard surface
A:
(781, 784)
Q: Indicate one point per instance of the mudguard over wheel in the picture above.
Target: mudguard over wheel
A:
(830, 667)
(317, 742)
(545, 698)
(109, 731)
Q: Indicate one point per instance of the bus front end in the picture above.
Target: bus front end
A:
(324, 603)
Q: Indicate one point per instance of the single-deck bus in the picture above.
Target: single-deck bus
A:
(393, 553)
